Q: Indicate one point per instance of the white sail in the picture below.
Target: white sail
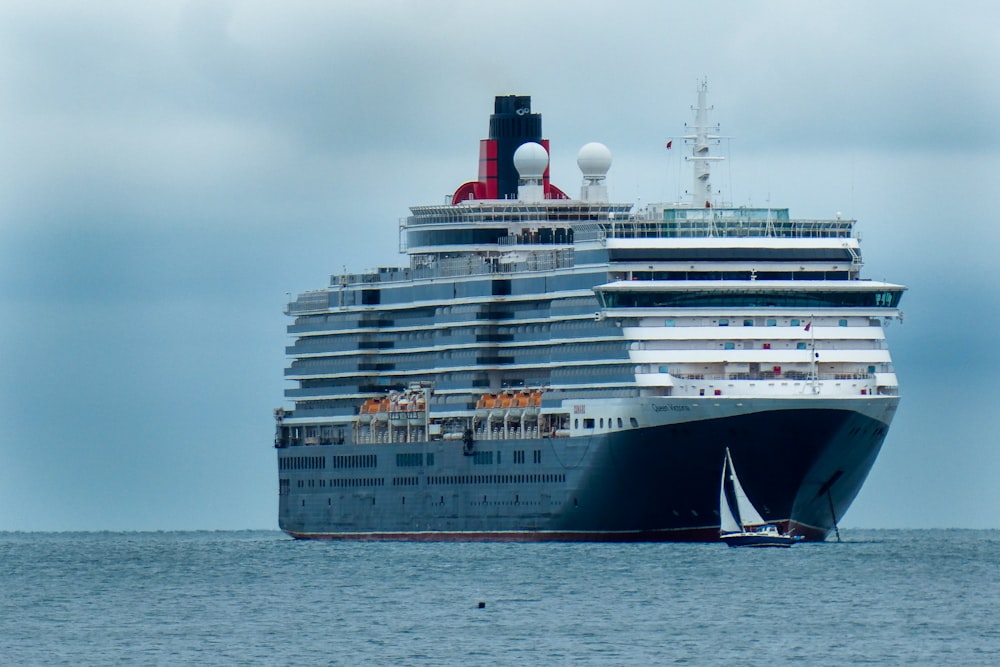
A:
(749, 516)
(728, 521)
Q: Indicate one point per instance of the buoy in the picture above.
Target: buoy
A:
(482, 605)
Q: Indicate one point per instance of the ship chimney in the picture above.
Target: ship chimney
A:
(511, 125)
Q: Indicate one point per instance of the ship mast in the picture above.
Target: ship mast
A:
(701, 193)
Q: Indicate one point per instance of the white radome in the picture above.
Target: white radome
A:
(594, 160)
(530, 160)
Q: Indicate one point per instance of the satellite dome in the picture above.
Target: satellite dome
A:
(530, 160)
(594, 160)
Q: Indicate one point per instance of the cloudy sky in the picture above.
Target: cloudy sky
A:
(170, 171)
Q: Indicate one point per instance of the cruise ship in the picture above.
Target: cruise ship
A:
(551, 367)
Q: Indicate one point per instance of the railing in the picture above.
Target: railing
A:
(552, 210)
(799, 229)
(786, 376)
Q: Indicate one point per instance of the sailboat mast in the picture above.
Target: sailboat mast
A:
(748, 514)
(728, 521)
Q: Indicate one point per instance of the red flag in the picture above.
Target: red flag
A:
(670, 144)
(808, 324)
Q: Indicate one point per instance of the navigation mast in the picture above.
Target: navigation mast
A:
(701, 193)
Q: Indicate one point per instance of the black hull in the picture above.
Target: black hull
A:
(801, 467)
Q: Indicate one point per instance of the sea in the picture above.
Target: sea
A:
(914, 597)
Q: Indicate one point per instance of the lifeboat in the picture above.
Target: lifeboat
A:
(534, 405)
(382, 413)
(368, 410)
(518, 404)
(397, 412)
(416, 415)
(484, 405)
(500, 407)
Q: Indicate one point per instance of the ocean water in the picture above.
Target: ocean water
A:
(248, 598)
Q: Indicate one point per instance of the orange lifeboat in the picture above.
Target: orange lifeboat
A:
(484, 405)
(534, 405)
(368, 410)
(518, 403)
(500, 407)
(382, 412)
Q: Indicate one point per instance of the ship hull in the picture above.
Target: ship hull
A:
(802, 464)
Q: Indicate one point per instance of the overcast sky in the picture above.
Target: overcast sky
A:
(169, 171)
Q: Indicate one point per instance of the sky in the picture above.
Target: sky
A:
(171, 171)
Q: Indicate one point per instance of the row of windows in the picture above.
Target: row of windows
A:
(355, 461)
(406, 293)
(403, 460)
(740, 275)
(348, 483)
(458, 315)
(537, 478)
(589, 422)
(750, 299)
(754, 255)
(543, 331)
(749, 322)
(413, 459)
(483, 354)
(302, 463)
(486, 457)
(368, 482)
(748, 345)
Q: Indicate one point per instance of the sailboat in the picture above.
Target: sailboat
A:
(744, 527)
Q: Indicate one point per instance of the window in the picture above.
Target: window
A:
(795, 323)
(634, 422)
(800, 346)
(669, 323)
(619, 422)
(843, 323)
(729, 346)
(723, 322)
(771, 322)
(748, 322)
(588, 423)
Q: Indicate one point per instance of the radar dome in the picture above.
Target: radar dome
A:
(530, 160)
(594, 160)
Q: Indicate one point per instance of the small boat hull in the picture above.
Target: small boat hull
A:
(759, 539)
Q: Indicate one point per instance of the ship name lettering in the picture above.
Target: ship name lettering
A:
(671, 408)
